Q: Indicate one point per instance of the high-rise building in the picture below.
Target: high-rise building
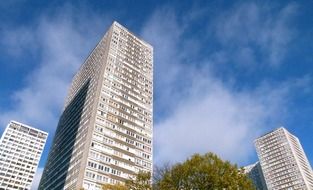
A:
(254, 172)
(104, 134)
(20, 151)
(283, 161)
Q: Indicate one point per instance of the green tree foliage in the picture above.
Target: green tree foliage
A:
(114, 187)
(142, 181)
(202, 172)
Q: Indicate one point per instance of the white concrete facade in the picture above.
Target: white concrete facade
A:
(105, 132)
(283, 161)
(122, 139)
(21, 147)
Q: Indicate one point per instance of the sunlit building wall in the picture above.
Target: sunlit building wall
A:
(21, 147)
(105, 132)
(283, 161)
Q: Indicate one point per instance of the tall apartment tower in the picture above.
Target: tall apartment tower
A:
(283, 161)
(254, 172)
(104, 134)
(20, 151)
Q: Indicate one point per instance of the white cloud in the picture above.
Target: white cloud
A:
(36, 179)
(200, 111)
(219, 119)
(60, 42)
(165, 36)
(258, 26)
(197, 111)
(20, 41)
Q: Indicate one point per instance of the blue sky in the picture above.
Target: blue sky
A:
(224, 72)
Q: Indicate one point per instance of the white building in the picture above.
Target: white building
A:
(20, 151)
(283, 161)
(105, 132)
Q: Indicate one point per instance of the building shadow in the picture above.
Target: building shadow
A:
(61, 151)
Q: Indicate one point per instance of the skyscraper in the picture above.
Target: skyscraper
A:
(255, 173)
(20, 151)
(283, 161)
(104, 134)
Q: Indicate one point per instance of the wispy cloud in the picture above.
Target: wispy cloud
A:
(220, 121)
(195, 110)
(60, 42)
(259, 28)
(164, 35)
(19, 41)
(199, 111)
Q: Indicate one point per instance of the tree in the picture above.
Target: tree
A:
(202, 172)
(114, 187)
(142, 181)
